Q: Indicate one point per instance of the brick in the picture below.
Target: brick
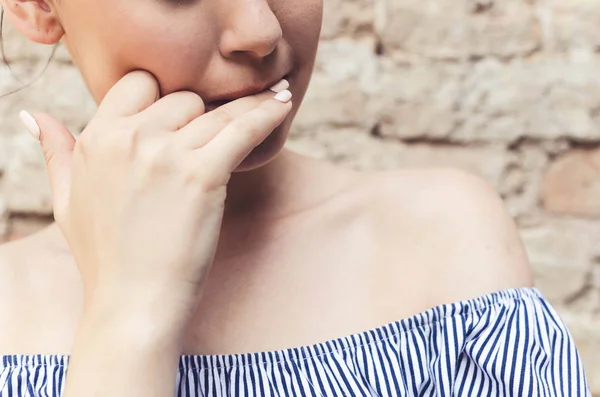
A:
(342, 84)
(347, 17)
(572, 184)
(25, 182)
(459, 29)
(561, 255)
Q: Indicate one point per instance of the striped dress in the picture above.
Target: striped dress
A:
(509, 343)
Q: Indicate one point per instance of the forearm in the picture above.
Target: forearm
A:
(124, 353)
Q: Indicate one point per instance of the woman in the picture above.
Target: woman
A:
(193, 255)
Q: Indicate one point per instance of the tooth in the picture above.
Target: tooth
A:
(283, 84)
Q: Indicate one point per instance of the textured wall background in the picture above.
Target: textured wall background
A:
(509, 89)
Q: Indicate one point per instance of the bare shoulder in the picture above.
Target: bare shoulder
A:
(20, 263)
(455, 227)
(13, 273)
(14, 293)
(38, 291)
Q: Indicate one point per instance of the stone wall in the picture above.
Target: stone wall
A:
(509, 89)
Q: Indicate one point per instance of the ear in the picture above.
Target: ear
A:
(36, 19)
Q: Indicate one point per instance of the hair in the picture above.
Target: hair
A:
(7, 63)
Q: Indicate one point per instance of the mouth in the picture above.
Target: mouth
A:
(247, 91)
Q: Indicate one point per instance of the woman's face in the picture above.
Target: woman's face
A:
(219, 49)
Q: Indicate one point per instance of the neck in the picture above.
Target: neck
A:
(256, 196)
(261, 193)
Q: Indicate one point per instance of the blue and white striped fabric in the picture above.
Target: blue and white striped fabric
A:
(509, 343)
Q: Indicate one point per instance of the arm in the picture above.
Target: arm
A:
(141, 209)
(460, 233)
(125, 349)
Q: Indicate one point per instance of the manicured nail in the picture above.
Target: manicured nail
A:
(283, 84)
(283, 96)
(30, 124)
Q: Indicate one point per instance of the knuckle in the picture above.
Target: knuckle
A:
(120, 141)
(250, 127)
(113, 141)
(266, 114)
(145, 81)
(85, 142)
(255, 131)
(204, 178)
(223, 115)
(156, 155)
(193, 100)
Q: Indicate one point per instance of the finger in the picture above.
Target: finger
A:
(202, 129)
(173, 111)
(133, 93)
(57, 144)
(235, 142)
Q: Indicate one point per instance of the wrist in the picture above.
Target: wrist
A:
(134, 319)
(123, 351)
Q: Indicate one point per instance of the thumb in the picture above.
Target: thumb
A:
(57, 144)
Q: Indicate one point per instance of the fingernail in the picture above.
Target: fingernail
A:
(30, 123)
(283, 84)
(283, 96)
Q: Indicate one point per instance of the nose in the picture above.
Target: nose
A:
(249, 27)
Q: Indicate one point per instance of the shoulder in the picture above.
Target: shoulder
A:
(13, 294)
(455, 225)
(38, 290)
(20, 265)
(12, 276)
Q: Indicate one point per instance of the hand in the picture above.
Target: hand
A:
(139, 196)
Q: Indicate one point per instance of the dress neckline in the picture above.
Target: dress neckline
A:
(375, 335)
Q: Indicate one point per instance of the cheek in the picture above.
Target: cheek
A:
(178, 48)
(140, 40)
(301, 21)
(178, 57)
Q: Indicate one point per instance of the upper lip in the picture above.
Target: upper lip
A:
(249, 90)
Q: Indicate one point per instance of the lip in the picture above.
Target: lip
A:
(233, 95)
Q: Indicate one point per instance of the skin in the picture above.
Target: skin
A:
(217, 49)
(308, 251)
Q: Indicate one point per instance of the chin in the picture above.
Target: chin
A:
(273, 145)
(267, 150)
